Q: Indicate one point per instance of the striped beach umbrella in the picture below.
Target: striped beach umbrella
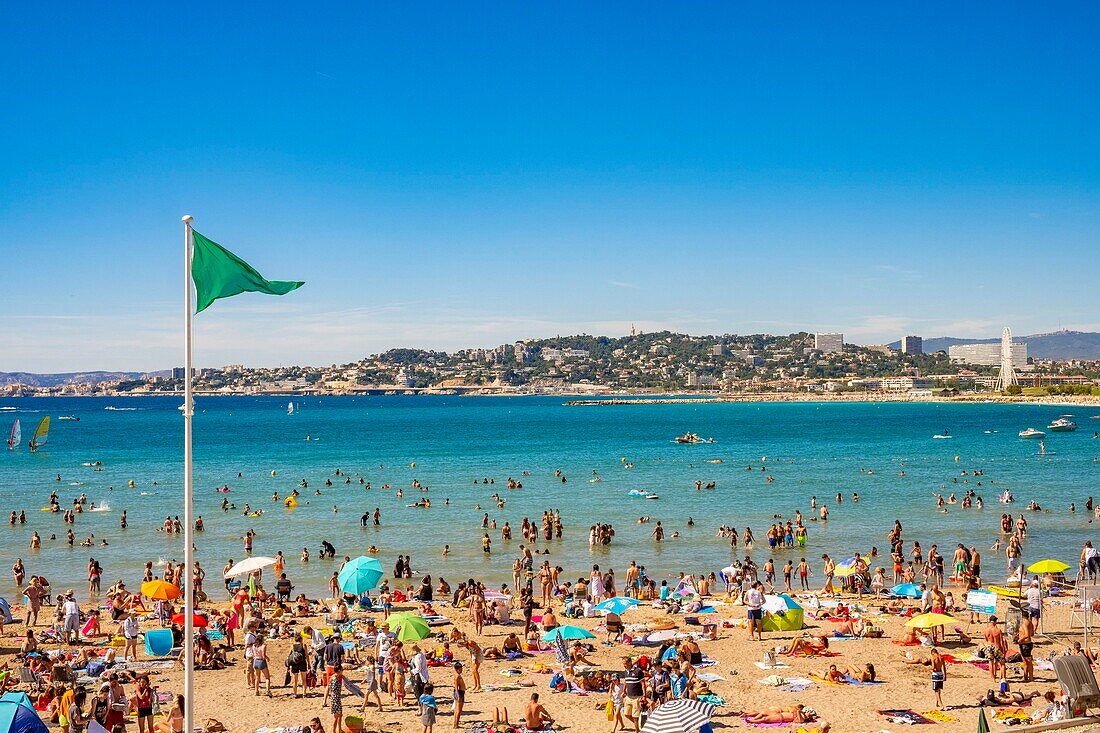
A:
(679, 716)
(559, 649)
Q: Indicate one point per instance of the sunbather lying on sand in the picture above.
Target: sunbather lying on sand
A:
(807, 645)
(789, 714)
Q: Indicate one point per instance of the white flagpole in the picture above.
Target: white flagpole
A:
(188, 490)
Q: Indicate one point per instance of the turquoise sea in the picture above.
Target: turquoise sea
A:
(810, 449)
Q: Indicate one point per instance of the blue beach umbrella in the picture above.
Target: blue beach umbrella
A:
(17, 715)
(360, 575)
(619, 604)
(567, 632)
(906, 590)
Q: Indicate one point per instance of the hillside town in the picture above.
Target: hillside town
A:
(640, 363)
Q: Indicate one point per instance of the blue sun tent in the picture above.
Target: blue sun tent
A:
(17, 715)
(6, 610)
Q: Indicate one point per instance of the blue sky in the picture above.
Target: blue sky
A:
(446, 175)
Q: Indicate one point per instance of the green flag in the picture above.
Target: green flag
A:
(218, 273)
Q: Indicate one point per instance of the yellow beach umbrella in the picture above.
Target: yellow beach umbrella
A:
(1048, 566)
(930, 620)
(160, 590)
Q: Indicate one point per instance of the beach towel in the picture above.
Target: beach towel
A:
(712, 699)
(905, 717)
(777, 665)
(1012, 714)
(853, 681)
(940, 716)
(710, 677)
(796, 685)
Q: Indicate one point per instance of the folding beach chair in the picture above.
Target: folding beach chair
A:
(29, 677)
(1077, 681)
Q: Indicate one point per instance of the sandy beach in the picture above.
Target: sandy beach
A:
(735, 661)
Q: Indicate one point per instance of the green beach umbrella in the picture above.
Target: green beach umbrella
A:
(409, 627)
(568, 633)
(360, 575)
(983, 724)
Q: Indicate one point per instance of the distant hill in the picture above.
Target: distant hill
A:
(1059, 345)
(54, 380)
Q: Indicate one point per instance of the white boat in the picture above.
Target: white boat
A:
(1062, 425)
(1032, 433)
(16, 436)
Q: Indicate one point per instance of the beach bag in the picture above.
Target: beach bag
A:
(557, 682)
(609, 710)
(311, 678)
(769, 659)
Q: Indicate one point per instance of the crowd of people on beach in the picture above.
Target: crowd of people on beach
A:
(349, 643)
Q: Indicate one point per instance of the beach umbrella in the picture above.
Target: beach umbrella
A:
(17, 714)
(1048, 566)
(618, 604)
(409, 627)
(360, 575)
(494, 595)
(983, 724)
(560, 651)
(160, 590)
(930, 620)
(844, 568)
(906, 590)
(569, 633)
(249, 565)
(679, 716)
(197, 620)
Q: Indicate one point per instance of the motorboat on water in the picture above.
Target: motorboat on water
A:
(1032, 433)
(1062, 425)
(73, 418)
(692, 439)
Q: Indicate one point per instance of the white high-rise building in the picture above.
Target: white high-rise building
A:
(988, 354)
(829, 343)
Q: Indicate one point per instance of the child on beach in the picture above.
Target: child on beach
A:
(428, 708)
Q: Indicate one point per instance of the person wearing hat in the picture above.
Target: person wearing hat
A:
(1035, 599)
(418, 671)
(71, 622)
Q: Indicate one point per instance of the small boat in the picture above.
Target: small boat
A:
(692, 439)
(1062, 425)
(1031, 433)
(69, 418)
(41, 434)
(16, 436)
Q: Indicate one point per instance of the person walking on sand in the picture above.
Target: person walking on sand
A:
(997, 649)
(1025, 637)
(939, 675)
(754, 599)
(459, 685)
(260, 665)
(333, 700)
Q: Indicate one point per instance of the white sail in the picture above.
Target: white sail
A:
(16, 436)
(290, 408)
